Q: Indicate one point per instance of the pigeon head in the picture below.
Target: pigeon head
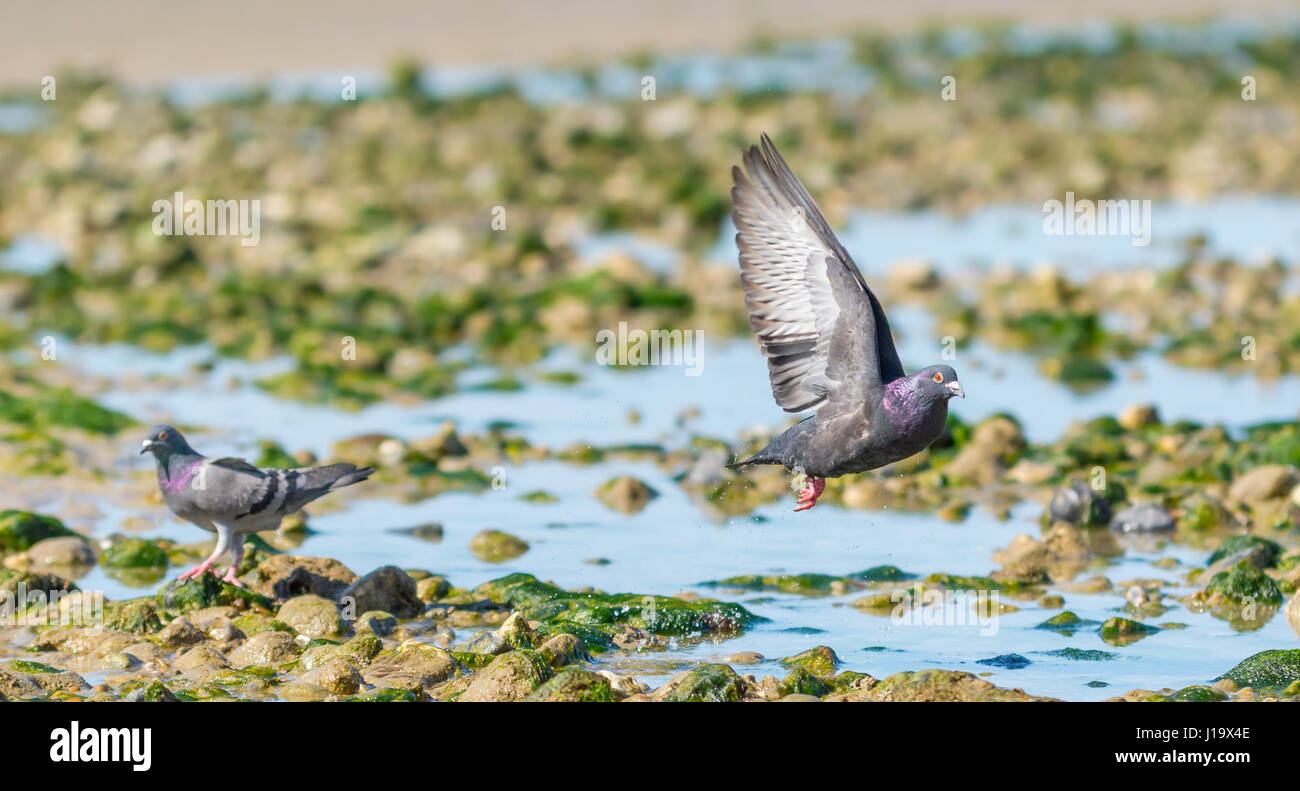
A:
(164, 442)
(938, 383)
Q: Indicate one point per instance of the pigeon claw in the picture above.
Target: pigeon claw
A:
(232, 579)
(808, 495)
(197, 571)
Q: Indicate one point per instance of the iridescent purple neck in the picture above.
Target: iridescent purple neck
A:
(175, 482)
(897, 400)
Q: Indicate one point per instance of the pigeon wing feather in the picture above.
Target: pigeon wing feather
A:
(821, 328)
(232, 489)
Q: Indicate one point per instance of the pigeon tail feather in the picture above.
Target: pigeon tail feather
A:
(335, 476)
(317, 482)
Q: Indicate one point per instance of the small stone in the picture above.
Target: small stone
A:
(820, 661)
(376, 622)
(431, 589)
(517, 633)
(1272, 668)
(200, 656)
(1005, 661)
(495, 546)
(623, 686)
(287, 576)
(1122, 631)
(489, 643)
(564, 649)
(708, 683)
(154, 692)
(411, 666)
(338, 677)
(1139, 416)
(429, 531)
(134, 553)
(311, 615)
(266, 648)
(300, 692)
(138, 616)
(1263, 483)
(625, 494)
(222, 630)
(20, 530)
(512, 676)
(1144, 518)
(387, 588)
(61, 552)
(575, 685)
(1078, 504)
(179, 633)
(1031, 473)
(119, 660)
(18, 685)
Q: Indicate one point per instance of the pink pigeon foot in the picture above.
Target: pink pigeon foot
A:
(198, 570)
(232, 579)
(810, 492)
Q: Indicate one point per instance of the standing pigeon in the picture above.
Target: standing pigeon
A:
(826, 338)
(231, 497)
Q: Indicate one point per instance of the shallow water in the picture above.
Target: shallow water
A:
(674, 545)
(1250, 229)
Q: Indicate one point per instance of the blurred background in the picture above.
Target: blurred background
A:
(466, 194)
(149, 40)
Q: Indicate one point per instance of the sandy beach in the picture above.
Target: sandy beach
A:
(147, 41)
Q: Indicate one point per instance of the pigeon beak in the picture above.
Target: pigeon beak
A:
(145, 446)
(955, 387)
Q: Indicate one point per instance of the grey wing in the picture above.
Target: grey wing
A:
(234, 491)
(823, 332)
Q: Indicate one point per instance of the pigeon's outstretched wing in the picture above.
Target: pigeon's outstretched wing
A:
(232, 490)
(826, 338)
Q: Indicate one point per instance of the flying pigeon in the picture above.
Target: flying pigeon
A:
(231, 497)
(826, 338)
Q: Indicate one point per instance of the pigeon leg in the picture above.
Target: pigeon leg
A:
(236, 557)
(808, 495)
(223, 543)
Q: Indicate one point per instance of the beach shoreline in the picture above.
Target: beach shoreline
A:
(143, 41)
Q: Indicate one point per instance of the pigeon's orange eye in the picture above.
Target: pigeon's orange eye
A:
(938, 377)
(163, 434)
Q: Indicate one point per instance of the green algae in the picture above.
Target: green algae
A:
(597, 617)
(139, 616)
(811, 584)
(1267, 551)
(1122, 631)
(1274, 668)
(53, 407)
(708, 684)
(820, 661)
(1198, 693)
(1067, 623)
(803, 584)
(385, 695)
(1244, 583)
(19, 530)
(207, 591)
(1081, 654)
(803, 682)
(574, 686)
(134, 553)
